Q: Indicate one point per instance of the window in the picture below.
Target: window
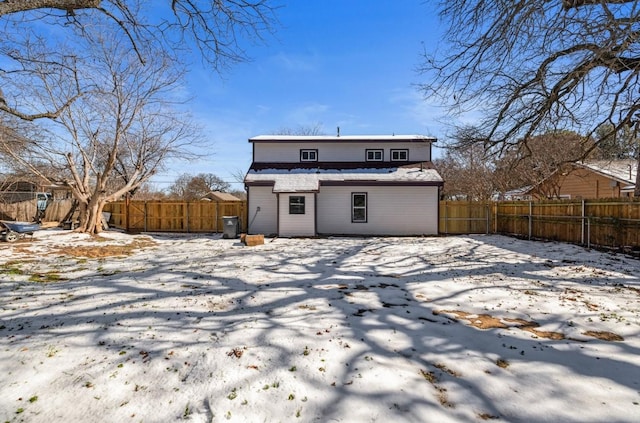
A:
(308, 155)
(296, 204)
(359, 207)
(375, 155)
(399, 155)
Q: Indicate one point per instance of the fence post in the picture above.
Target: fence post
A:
(530, 218)
(127, 200)
(488, 220)
(187, 215)
(217, 223)
(446, 218)
(582, 217)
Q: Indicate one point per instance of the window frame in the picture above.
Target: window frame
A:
(373, 151)
(354, 207)
(309, 151)
(400, 150)
(299, 206)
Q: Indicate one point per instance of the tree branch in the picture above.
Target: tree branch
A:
(574, 4)
(8, 7)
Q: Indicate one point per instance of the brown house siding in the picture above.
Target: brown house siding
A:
(582, 183)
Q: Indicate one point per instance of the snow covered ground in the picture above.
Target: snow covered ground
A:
(163, 328)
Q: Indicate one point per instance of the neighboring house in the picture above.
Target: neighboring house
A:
(219, 196)
(590, 179)
(342, 185)
(13, 189)
(519, 194)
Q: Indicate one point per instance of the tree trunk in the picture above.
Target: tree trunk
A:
(91, 217)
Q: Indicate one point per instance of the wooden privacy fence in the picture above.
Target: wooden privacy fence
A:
(175, 216)
(25, 211)
(466, 217)
(611, 223)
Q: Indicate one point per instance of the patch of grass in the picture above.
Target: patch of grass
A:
(106, 250)
(187, 412)
(487, 416)
(48, 277)
(307, 307)
(14, 267)
(604, 335)
(429, 376)
(11, 270)
(502, 363)
(447, 370)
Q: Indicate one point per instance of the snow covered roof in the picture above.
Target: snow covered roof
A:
(621, 170)
(342, 138)
(307, 179)
(220, 196)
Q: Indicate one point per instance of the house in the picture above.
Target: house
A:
(590, 179)
(342, 185)
(219, 196)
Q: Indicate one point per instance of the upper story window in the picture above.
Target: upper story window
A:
(399, 155)
(308, 155)
(375, 155)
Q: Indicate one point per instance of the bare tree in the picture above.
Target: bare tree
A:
(189, 187)
(47, 36)
(114, 137)
(467, 169)
(315, 129)
(613, 144)
(536, 66)
(529, 163)
(148, 192)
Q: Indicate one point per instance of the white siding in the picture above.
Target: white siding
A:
(336, 152)
(391, 210)
(297, 224)
(263, 221)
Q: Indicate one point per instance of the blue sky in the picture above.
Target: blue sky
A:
(346, 63)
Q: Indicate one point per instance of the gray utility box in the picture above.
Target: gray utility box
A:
(231, 226)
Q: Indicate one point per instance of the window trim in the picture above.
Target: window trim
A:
(309, 150)
(374, 150)
(300, 206)
(354, 207)
(400, 150)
